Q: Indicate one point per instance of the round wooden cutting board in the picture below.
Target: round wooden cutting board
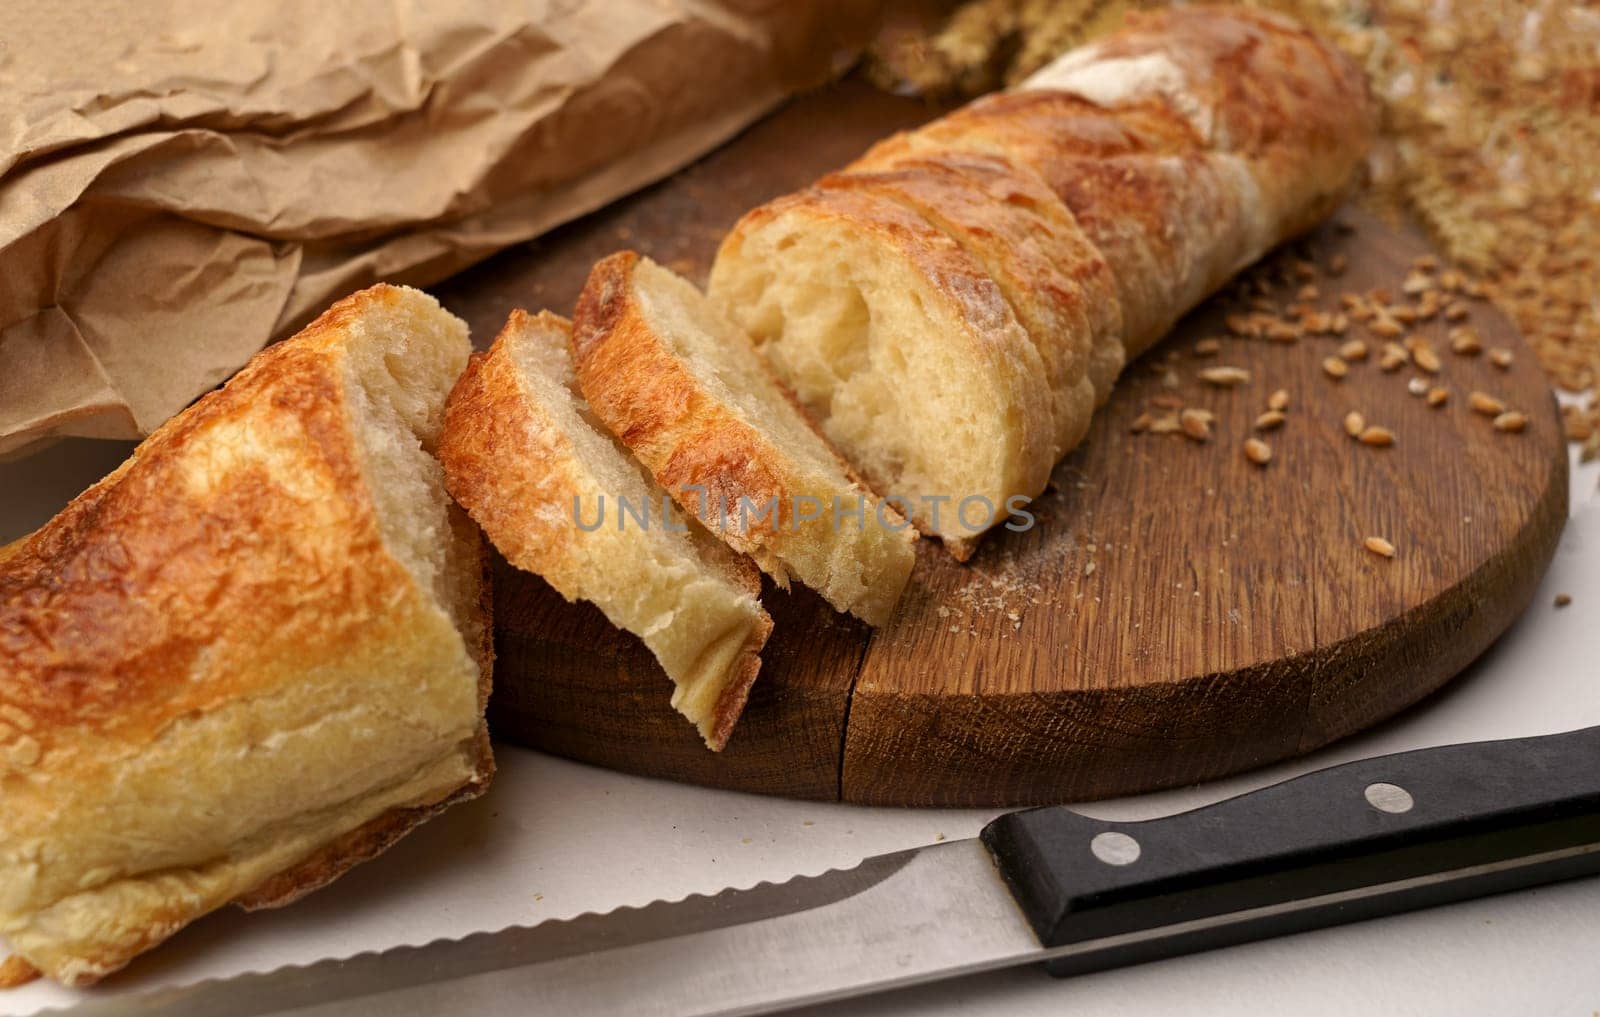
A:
(1177, 613)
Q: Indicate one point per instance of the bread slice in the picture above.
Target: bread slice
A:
(524, 456)
(686, 391)
(1028, 241)
(1025, 239)
(254, 655)
(902, 348)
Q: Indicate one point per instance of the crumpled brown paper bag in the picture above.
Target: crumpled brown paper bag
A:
(182, 181)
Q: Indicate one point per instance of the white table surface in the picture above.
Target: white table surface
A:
(554, 838)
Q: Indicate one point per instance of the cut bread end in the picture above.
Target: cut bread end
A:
(1073, 269)
(560, 498)
(687, 392)
(403, 353)
(1021, 235)
(901, 347)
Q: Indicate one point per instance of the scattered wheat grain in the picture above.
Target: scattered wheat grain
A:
(1486, 404)
(1465, 342)
(1386, 326)
(1281, 332)
(1225, 377)
(1511, 421)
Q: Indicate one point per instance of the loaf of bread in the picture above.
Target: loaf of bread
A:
(253, 656)
(561, 498)
(685, 391)
(1141, 172)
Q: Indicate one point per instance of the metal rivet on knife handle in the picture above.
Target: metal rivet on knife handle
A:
(1389, 798)
(1115, 848)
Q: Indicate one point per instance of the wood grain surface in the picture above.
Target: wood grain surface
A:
(1177, 613)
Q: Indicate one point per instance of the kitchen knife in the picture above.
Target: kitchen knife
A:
(1048, 885)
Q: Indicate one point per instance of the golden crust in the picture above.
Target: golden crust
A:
(1185, 146)
(1127, 176)
(15, 971)
(718, 724)
(511, 460)
(184, 650)
(1267, 88)
(708, 455)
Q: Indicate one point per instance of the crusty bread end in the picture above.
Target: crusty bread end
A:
(252, 656)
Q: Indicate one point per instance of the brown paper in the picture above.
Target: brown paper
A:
(182, 181)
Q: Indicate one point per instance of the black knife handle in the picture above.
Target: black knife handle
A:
(1356, 841)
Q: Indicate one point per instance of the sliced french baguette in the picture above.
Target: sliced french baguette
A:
(901, 347)
(686, 392)
(546, 482)
(253, 656)
(1178, 151)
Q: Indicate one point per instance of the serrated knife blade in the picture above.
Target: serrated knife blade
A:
(743, 951)
(1347, 843)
